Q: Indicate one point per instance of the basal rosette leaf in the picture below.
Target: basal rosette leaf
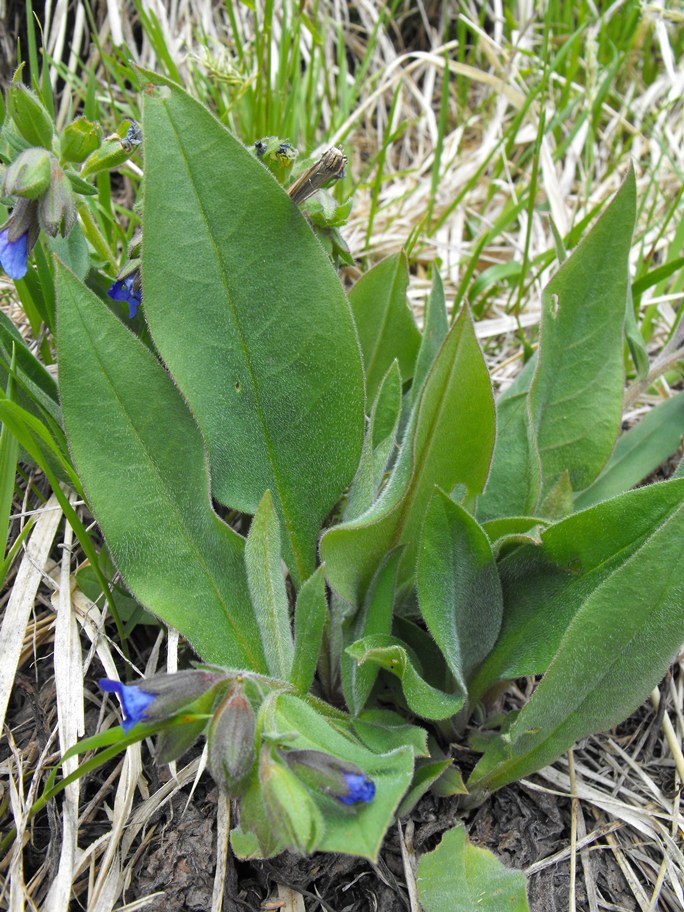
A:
(143, 465)
(248, 313)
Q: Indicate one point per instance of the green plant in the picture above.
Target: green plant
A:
(376, 459)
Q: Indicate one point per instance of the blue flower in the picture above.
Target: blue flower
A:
(360, 788)
(134, 701)
(14, 254)
(128, 289)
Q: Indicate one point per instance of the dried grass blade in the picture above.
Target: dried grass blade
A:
(23, 596)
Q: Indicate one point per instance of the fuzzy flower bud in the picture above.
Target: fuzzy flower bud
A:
(30, 115)
(231, 740)
(80, 139)
(330, 776)
(161, 696)
(29, 174)
(56, 208)
(113, 152)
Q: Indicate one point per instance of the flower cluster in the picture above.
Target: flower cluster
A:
(233, 710)
(44, 201)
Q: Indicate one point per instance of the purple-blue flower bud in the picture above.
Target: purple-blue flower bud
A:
(161, 696)
(330, 775)
(18, 237)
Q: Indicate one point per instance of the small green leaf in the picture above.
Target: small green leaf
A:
(374, 617)
(311, 613)
(426, 774)
(635, 340)
(434, 333)
(639, 452)
(623, 635)
(379, 445)
(145, 473)
(449, 783)
(461, 877)
(449, 441)
(387, 329)
(558, 501)
(384, 422)
(9, 452)
(72, 250)
(459, 592)
(36, 387)
(391, 654)
(267, 588)
(510, 531)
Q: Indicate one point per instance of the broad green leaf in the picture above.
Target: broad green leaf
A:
(311, 613)
(387, 329)
(391, 654)
(639, 452)
(615, 650)
(358, 830)
(461, 877)
(459, 592)
(142, 462)
(249, 315)
(448, 441)
(576, 395)
(374, 617)
(545, 587)
(513, 483)
(434, 332)
(267, 589)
